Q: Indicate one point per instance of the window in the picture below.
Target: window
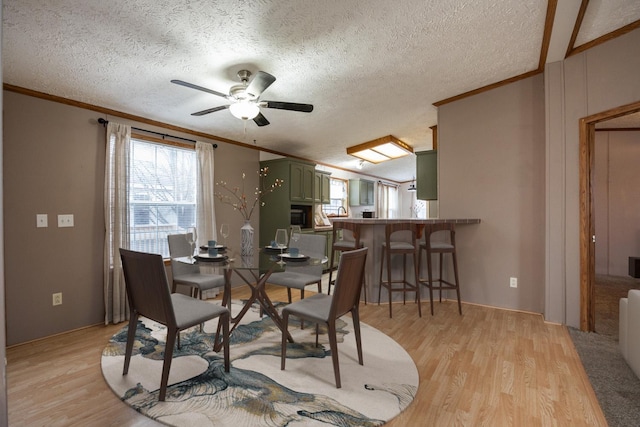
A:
(162, 194)
(339, 196)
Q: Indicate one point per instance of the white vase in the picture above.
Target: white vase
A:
(246, 244)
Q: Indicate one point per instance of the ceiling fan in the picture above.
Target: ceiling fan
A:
(245, 100)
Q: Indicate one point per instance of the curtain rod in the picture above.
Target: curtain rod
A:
(104, 122)
(390, 184)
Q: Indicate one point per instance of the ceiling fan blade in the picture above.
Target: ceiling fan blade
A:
(210, 110)
(261, 120)
(260, 82)
(196, 87)
(292, 106)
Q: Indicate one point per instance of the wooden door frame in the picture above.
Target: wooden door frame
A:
(587, 214)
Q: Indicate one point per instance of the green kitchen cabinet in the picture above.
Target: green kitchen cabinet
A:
(276, 211)
(427, 175)
(301, 177)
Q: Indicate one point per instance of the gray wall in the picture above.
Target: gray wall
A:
(491, 154)
(616, 200)
(54, 164)
(510, 156)
(599, 79)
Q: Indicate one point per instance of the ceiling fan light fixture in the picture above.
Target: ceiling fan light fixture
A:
(244, 110)
(381, 149)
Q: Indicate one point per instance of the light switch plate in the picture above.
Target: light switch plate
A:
(42, 220)
(65, 220)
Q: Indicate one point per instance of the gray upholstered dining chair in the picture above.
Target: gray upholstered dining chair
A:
(326, 309)
(148, 295)
(187, 274)
(300, 276)
(342, 244)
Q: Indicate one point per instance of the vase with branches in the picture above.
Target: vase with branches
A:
(244, 203)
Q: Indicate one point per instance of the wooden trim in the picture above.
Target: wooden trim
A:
(602, 39)
(586, 321)
(576, 27)
(434, 131)
(587, 215)
(102, 110)
(617, 129)
(552, 5)
(487, 88)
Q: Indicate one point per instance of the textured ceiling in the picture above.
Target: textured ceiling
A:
(370, 67)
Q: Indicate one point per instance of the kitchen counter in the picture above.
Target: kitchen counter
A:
(413, 220)
(373, 234)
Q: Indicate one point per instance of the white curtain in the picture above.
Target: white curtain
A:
(205, 209)
(116, 217)
(387, 201)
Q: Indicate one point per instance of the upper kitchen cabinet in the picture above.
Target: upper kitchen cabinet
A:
(322, 187)
(427, 175)
(361, 192)
(302, 178)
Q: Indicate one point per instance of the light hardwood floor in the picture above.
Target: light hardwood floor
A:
(487, 367)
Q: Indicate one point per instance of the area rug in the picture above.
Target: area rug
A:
(256, 392)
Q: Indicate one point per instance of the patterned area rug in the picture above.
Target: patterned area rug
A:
(256, 392)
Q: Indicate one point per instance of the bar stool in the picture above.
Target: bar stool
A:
(440, 248)
(403, 248)
(342, 245)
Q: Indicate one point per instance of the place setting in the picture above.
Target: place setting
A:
(212, 252)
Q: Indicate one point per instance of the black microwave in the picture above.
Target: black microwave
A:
(301, 215)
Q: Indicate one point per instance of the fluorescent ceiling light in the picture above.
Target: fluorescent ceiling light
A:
(381, 149)
(244, 110)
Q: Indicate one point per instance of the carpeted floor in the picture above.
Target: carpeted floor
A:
(615, 384)
(256, 392)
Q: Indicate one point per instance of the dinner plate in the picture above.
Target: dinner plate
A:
(211, 258)
(289, 257)
(219, 247)
(276, 249)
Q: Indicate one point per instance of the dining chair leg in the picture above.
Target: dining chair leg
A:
(355, 316)
(166, 366)
(333, 345)
(285, 327)
(131, 336)
(330, 272)
(225, 319)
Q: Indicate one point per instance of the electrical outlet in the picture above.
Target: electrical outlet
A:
(57, 298)
(65, 220)
(513, 282)
(42, 220)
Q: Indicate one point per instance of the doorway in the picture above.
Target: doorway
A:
(587, 211)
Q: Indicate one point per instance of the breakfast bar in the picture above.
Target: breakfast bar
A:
(373, 234)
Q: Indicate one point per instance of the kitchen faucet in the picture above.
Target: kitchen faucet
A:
(343, 208)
